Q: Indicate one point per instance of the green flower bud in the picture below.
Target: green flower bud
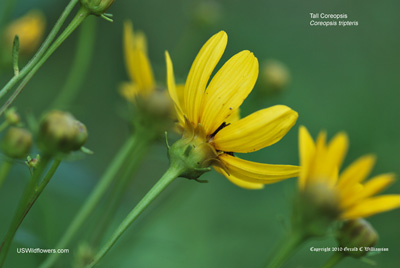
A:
(61, 132)
(16, 142)
(275, 75)
(356, 236)
(316, 208)
(12, 117)
(207, 14)
(32, 163)
(97, 7)
(84, 255)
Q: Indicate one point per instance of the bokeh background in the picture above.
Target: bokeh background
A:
(342, 78)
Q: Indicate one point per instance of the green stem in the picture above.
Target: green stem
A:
(94, 198)
(334, 259)
(29, 66)
(23, 208)
(118, 190)
(5, 12)
(79, 18)
(80, 65)
(287, 249)
(170, 175)
(5, 170)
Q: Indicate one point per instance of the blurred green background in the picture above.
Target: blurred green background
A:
(342, 78)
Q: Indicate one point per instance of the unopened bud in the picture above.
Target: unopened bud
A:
(97, 7)
(16, 142)
(61, 132)
(275, 75)
(207, 13)
(32, 163)
(358, 236)
(12, 117)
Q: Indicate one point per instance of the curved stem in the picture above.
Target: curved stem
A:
(5, 170)
(13, 81)
(287, 248)
(80, 65)
(23, 208)
(94, 198)
(79, 18)
(170, 175)
(334, 259)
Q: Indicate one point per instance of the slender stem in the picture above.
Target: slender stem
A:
(118, 190)
(29, 66)
(94, 198)
(80, 65)
(5, 170)
(287, 248)
(22, 209)
(334, 259)
(170, 175)
(79, 18)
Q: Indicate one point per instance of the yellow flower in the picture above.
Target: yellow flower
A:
(355, 198)
(29, 28)
(137, 64)
(152, 101)
(207, 106)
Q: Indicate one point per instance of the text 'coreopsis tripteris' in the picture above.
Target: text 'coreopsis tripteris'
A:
(210, 136)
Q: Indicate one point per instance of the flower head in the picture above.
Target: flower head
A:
(137, 64)
(153, 102)
(353, 197)
(204, 114)
(29, 28)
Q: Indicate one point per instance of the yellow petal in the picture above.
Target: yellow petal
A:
(335, 155)
(173, 91)
(327, 159)
(372, 187)
(129, 91)
(137, 63)
(357, 171)
(228, 89)
(372, 206)
(235, 116)
(200, 73)
(257, 172)
(239, 182)
(307, 152)
(256, 131)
